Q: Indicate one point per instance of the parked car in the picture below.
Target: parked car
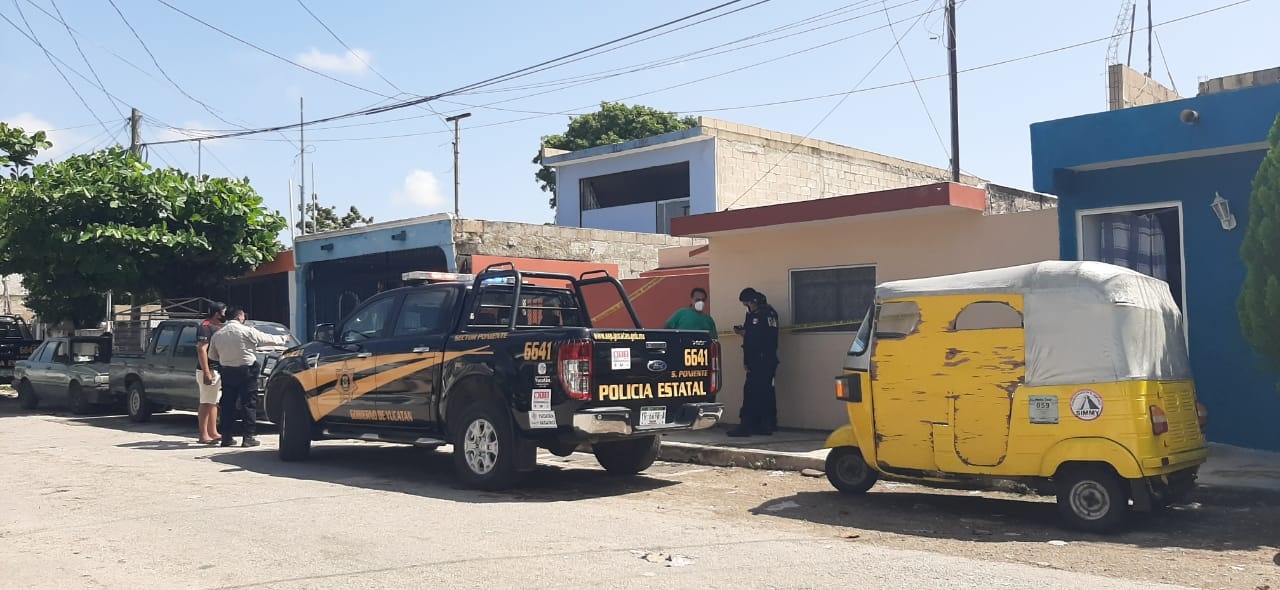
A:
(163, 376)
(16, 343)
(498, 368)
(73, 371)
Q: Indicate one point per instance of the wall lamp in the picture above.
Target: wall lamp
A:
(326, 247)
(1222, 209)
(400, 235)
(1189, 116)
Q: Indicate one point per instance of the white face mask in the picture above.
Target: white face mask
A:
(698, 305)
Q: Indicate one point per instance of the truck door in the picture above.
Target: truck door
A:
(157, 367)
(38, 373)
(182, 378)
(409, 360)
(346, 369)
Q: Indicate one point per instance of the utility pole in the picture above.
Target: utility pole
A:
(302, 169)
(1150, 31)
(315, 201)
(955, 91)
(456, 186)
(199, 159)
(135, 133)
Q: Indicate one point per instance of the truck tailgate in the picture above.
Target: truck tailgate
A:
(656, 371)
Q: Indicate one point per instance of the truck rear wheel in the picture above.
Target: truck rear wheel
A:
(848, 471)
(484, 449)
(1091, 498)
(140, 407)
(296, 428)
(27, 399)
(627, 457)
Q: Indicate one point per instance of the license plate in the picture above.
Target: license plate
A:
(653, 415)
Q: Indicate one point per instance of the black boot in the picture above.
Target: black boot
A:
(249, 441)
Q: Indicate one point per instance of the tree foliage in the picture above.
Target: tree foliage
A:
(106, 221)
(1259, 303)
(613, 123)
(18, 150)
(327, 219)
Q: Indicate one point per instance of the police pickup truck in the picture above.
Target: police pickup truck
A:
(497, 364)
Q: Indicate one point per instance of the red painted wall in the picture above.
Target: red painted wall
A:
(654, 299)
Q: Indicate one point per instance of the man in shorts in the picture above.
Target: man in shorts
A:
(207, 377)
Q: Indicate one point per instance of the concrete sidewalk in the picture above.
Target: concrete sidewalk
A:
(797, 450)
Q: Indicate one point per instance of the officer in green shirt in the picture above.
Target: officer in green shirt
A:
(694, 317)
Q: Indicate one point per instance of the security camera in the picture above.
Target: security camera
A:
(1190, 117)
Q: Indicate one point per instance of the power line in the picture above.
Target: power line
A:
(424, 99)
(1165, 59)
(896, 43)
(907, 64)
(49, 56)
(79, 50)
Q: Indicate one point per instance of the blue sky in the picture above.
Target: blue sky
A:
(427, 47)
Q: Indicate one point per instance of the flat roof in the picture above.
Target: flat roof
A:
(943, 194)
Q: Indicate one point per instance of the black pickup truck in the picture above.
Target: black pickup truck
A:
(16, 344)
(498, 367)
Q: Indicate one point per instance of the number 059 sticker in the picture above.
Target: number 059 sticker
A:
(1044, 409)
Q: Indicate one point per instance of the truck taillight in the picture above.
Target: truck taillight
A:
(1159, 422)
(1202, 414)
(574, 361)
(715, 367)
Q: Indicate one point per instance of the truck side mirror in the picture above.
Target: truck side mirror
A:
(324, 333)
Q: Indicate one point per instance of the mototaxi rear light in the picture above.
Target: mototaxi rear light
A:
(1202, 415)
(1159, 421)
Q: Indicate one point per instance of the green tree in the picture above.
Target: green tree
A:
(327, 219)
(106, 221)
(1259, 303)
(18, 150)
(613, 123)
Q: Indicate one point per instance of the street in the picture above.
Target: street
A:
(100, 502)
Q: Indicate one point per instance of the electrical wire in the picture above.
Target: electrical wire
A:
(1165, 59)
(49, 55)
(79, 50)
(923, 103)
(896, 43)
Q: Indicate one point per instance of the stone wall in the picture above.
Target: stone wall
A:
(1127, 87)
(633, 252)
(790, 168)
(1004, 199)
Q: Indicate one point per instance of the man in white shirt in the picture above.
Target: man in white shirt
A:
(233, 346)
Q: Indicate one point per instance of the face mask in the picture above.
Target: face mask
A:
(698, 305)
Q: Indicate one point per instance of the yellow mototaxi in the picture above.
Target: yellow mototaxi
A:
(1069, 378)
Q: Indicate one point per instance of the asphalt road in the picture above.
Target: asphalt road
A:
(99, 502)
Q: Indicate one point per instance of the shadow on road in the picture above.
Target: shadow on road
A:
(429, 473)
(1215, 519)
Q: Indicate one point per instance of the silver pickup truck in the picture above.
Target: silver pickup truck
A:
(72, 371)
(163, 377)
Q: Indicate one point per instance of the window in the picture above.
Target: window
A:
(62, 354)
(670, 210)
(187, 342)
(831, 299)
(539, 308)
(423, 312)
(987, 315)
(368, 322)
(41, 354)
(862, 341)
(165, 340)
(84, 351)
(897, 320)
(647, 185)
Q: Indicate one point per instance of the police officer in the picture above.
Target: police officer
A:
(759, 333)
(233, 346)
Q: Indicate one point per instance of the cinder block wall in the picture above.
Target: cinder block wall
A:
(633, 252)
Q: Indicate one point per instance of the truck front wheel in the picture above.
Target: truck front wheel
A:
(484, 449)
(627, 457)
(296, 428)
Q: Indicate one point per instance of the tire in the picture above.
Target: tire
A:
(848, 471)
(27, 399)
(1092, 498)
(484, 449)
(76, 401)
(627, 457)
(296, 428)
(139, 406)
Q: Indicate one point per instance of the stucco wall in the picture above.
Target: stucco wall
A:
(909, 245)
(816, 169)
(702, 184)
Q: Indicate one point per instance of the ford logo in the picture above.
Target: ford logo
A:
(657, 366)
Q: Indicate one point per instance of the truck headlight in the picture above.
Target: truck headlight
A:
(102, 379)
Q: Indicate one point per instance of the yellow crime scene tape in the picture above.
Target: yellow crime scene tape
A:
(645, 288)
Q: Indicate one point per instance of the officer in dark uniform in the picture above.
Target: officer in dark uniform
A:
(759, 333)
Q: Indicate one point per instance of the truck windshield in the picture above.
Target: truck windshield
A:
(275, 330)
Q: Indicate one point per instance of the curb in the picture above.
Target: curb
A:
(678, 452)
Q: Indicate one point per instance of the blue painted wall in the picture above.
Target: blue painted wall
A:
(434, 231)
(1241, 395)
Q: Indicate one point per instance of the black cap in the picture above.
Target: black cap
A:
(216, 307)
(749, 294)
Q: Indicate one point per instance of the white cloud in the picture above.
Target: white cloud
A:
(355, 61)
(63, 141)
(421, 188)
